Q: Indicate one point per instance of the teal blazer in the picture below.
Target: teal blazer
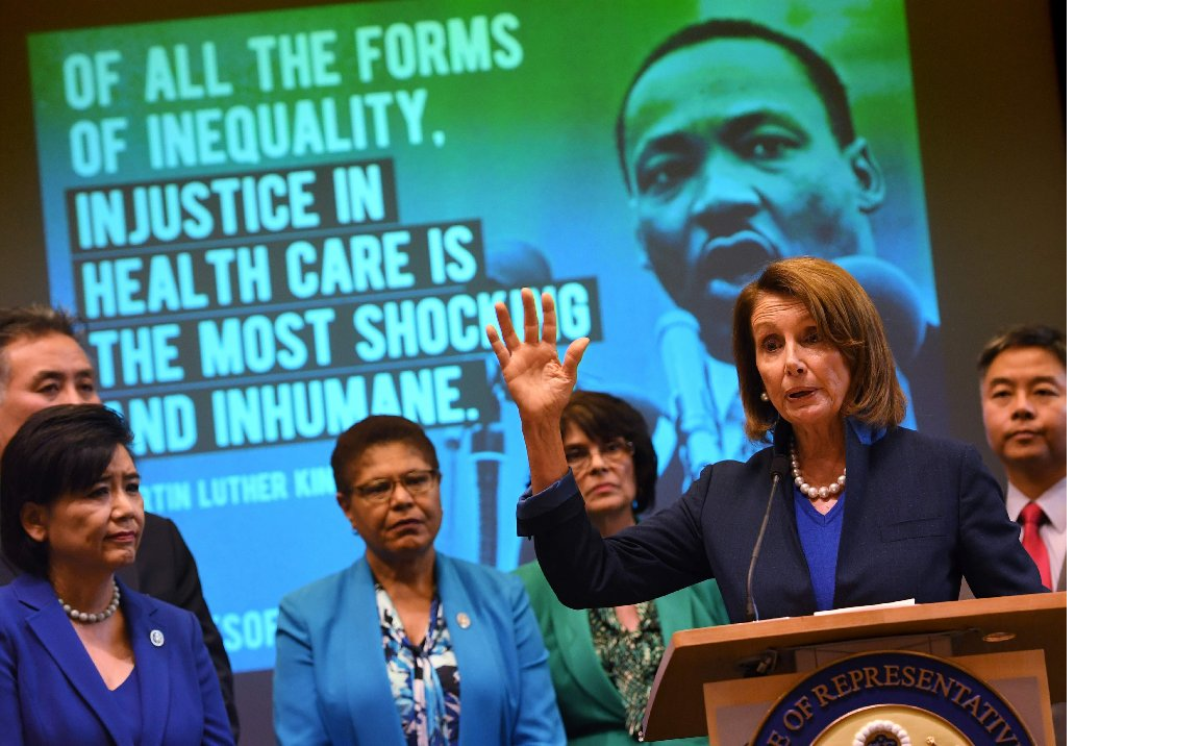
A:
(591, 706)
(331, 683)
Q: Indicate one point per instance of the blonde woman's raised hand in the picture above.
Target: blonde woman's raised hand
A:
(538, 382)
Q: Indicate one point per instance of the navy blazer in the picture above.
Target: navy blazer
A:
(331, 682)
(51, 692)
(920, 513)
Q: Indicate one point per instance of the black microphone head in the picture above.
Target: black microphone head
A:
(513, 263)
(781, 464)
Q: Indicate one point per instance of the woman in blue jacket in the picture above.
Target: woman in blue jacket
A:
(407, 646)
(84, 659)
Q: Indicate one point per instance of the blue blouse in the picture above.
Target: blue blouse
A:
(819, 538)
(128, 697)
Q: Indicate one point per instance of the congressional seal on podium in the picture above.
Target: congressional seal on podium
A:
(891, 699)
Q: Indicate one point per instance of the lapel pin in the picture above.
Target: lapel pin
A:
(464, 621)
(156, 638)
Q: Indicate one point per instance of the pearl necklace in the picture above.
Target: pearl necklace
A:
(816, 493)
(83, 618)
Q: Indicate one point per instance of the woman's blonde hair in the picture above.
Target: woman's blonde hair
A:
(845, 316)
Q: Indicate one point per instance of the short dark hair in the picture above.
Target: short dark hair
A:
(1023, 335)
(376, 430)
(604, 417)
(827, 83)
(845, 316)
(32, 321)
(60, 450)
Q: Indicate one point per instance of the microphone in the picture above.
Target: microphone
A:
(511, 263)
(779, 467)
(684, 360)
(897, 299)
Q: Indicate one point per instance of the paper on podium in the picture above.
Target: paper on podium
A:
(884, 605)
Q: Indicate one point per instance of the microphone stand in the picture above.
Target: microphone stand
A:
(778, 466)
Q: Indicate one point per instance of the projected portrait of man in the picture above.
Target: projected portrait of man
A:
(738, 148)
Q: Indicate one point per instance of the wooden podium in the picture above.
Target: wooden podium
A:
(737, 671)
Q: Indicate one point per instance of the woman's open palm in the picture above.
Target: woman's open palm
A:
(538, 382)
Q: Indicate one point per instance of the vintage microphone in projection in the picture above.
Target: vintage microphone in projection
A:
(684, 361)
(510, 264)
(897, 299)
(779, 466)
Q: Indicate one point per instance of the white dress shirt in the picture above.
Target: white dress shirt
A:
(1053, 503)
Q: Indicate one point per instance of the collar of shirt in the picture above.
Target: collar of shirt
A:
(1053, 503)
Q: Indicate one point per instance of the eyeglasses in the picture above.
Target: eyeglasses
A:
(578, 457)
(415, 483)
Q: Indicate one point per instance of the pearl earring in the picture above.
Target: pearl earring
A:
(764, 396)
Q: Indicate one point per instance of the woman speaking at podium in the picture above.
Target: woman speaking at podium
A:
(843, 508)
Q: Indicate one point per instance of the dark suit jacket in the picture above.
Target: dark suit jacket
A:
(166, 570)
(591, 706)
(51, 692)
(920, 513)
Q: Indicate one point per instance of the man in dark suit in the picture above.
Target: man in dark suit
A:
(1023, 388)
(42, 363)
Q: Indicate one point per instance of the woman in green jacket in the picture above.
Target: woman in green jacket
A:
(603, 661)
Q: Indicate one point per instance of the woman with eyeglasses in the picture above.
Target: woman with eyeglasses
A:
(407, 645)
(603, 660)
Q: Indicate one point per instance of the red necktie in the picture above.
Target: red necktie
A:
(1032, 517)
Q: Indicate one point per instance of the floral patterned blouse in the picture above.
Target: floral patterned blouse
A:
(630, 658)
(424, 679)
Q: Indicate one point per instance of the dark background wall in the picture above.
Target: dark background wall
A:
(991, 107)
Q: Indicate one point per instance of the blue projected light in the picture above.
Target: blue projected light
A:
(277, 223)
